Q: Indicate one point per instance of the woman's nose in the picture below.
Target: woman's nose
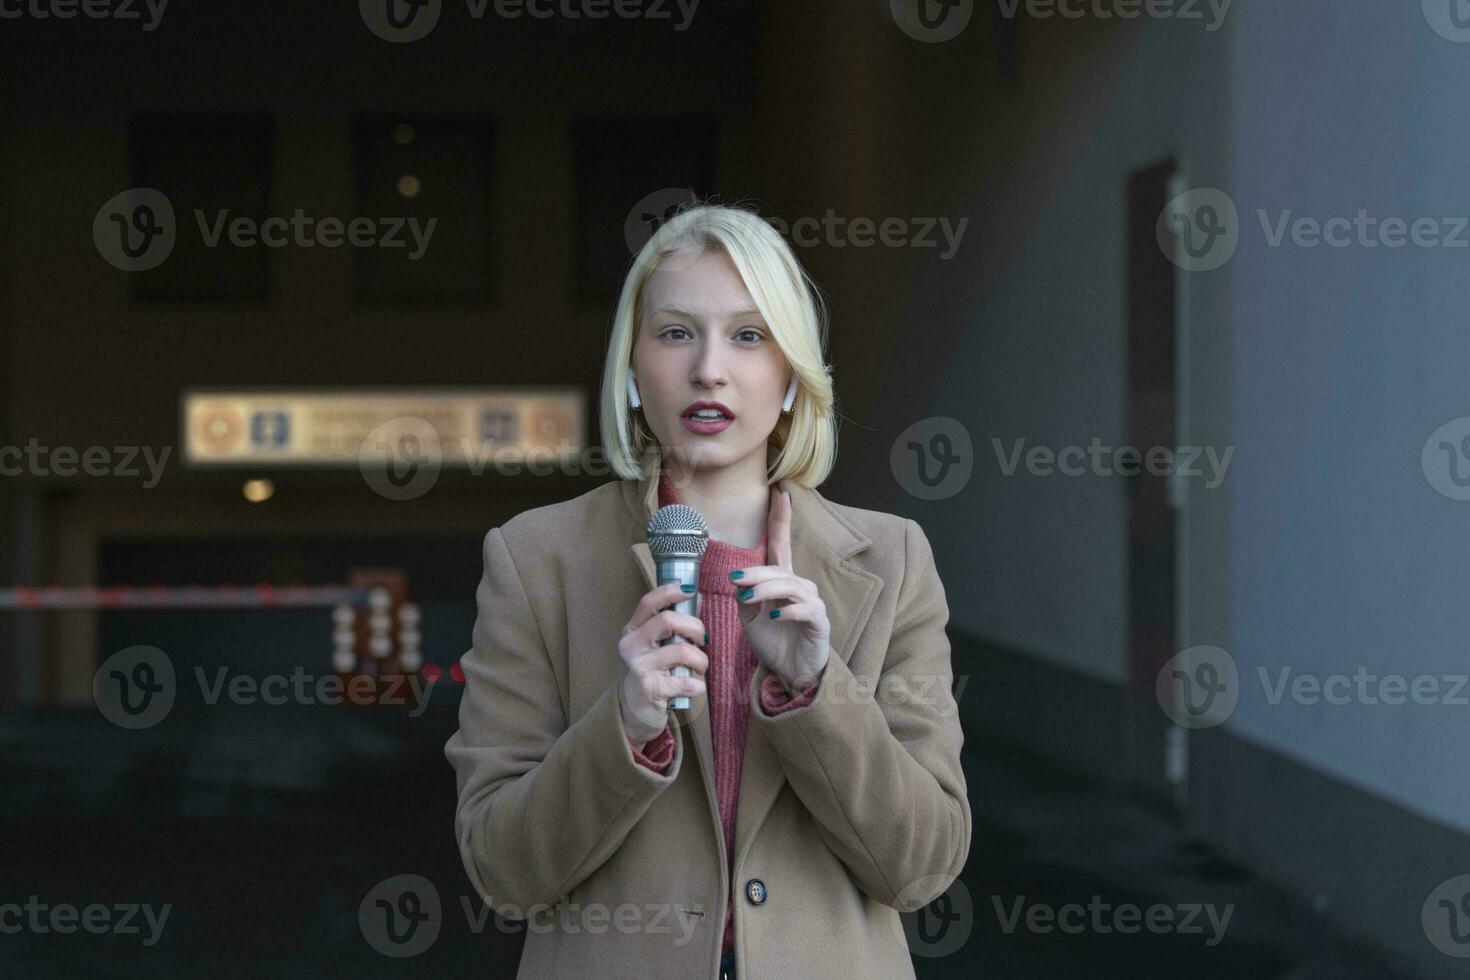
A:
(709, 367)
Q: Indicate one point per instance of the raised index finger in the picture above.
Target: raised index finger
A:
(778, 530)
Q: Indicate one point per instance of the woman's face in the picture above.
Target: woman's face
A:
(700, 338)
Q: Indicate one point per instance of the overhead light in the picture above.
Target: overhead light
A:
(258, 491)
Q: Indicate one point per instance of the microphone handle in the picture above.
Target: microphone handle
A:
(685, 571)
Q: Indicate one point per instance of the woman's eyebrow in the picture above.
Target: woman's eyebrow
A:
(675, 311)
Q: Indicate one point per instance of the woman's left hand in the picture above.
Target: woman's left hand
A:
(784, 619)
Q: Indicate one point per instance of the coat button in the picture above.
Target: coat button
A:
(755, 890)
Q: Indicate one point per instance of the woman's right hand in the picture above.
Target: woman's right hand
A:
(644, 682)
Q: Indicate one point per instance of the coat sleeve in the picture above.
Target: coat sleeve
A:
(542, 803)
(879, 769)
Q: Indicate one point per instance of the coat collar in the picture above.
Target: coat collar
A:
(822, 541)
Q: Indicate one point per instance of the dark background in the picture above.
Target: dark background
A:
(1057, 320)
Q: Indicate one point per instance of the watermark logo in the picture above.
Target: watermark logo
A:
(649, 215)
(933, 458)
(135, 230)
(37, 460)
(1450, 19)
(1199, 230)
(135, 688)
(836, 231)
(1102, 918)
(1120, 10)
(1445, 459)
(1198, 687)
(91, 9)
(400, 21)
(831, 229)
(941, 926)
(1446, 917)
(932, 21)
(401, 916)
(63, 918)
(1097, 459)
(401, 458)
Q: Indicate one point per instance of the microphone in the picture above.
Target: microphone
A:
(677, 538)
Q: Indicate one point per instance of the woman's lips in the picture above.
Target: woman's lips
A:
(705, 428)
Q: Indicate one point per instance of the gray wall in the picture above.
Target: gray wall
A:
(1346, 360)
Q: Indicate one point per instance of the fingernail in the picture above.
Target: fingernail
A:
(738, 573)
(775, 613)
(687, 588)
(746, 594)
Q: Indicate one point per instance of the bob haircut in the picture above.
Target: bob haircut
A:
(803, 444)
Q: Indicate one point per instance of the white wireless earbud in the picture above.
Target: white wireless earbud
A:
(790, 396)
(633, 398)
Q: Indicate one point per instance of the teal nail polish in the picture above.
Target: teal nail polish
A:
(746, 594)
(737, 574)
(687, 588)
(706, 639)
(775, 613)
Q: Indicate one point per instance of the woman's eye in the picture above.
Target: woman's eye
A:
(754, 334)
(673, 330)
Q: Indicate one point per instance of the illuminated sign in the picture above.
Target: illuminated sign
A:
(465, 427)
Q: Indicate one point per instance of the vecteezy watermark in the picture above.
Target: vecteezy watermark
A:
(933, 458)
(402, 458)
(1445, 459)
(1100, 460)
(137, 687)
(943, 924)
(1363, 230)
(940, 694)
(402, 916)
(136, 230)
(1200, 687)
(1446, 917)
(836, 231)
(1212, 12)
(831, 229)
(1450, 19)
(932, 21)
(1200, 230)
(1363, 687)
(64, 918)
(1102, 918)
(37, 460)
(123, 10)
(402, 21)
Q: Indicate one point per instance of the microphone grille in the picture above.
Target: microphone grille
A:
(677, 529)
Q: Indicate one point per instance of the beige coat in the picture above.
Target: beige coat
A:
(851, 808)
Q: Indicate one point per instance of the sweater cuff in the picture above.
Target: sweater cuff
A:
(775, 700)
(656, 753)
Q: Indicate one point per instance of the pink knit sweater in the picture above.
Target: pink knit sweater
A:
(731, 666)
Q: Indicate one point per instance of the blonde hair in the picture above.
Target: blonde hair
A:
(804, 442)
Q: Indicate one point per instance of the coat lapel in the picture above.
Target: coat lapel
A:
(821, 543)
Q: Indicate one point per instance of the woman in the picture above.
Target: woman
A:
(812, 790)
